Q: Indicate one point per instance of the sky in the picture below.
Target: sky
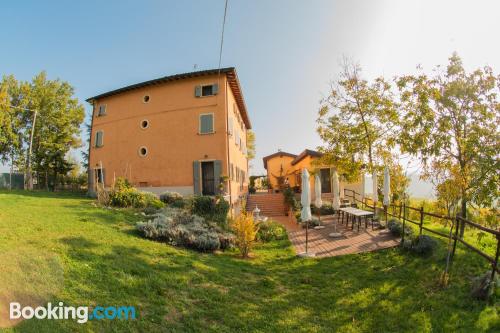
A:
(286, 52)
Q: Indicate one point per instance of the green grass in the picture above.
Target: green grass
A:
(62, 248)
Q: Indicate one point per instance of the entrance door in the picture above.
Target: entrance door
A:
(207, 178)
(326, 185)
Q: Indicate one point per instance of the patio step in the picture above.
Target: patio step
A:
(270, 204)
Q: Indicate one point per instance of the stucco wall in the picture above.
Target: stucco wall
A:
(172, 137)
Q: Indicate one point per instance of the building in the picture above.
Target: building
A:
(285, 169)
(177, 133)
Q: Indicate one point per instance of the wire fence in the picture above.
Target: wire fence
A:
(403, 213)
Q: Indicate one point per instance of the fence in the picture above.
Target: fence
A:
(11, 181)
(456, 224)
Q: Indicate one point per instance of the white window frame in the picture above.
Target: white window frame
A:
(206, 85)
(99, 110)
(213, 123)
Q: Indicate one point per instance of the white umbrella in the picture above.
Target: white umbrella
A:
(317, 192)
(336, 201)
(375, 193)
(387, 187)
(305, 214)
(305, 197)
(363, 185)
(335, 190)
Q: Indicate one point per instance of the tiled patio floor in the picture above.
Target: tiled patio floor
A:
(351, 241)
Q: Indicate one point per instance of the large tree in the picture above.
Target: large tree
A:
(356, 122)
(10, 119)
(450, 121)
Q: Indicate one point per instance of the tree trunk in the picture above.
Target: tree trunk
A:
(463, 213)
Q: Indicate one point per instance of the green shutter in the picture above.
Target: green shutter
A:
(217, 174)
(196, 177)
(197, 91)
(215, 89)
(206, 123)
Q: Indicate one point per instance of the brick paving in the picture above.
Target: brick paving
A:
(350, 242)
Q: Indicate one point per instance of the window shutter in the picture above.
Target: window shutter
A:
(98, 138)
(197, 91)
(196, 177)
(217, 174)
(206, 123)
(215, 89)
(103, 176)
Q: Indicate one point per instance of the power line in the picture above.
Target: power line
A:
(222, 35)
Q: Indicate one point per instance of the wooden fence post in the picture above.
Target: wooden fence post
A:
(421, 219)
(404, 218)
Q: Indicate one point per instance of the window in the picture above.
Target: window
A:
(206, 123)
(236, 137)
(99, 135)
(102, 110)
(144, 124)
(99, 175)
(206, 90)
(326, 186)
(231, 171)
(237, 174)
(145, 99)
(143, 151)
(230, 126)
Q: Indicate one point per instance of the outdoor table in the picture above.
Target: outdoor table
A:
(354, 213)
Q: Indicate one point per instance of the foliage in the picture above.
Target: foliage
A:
(125, 195)
(245, 230)
(483, 287)
(450, 121)
(448, 197)
(396, 228)
(250, 145)
(270, 231)
(212, 209)
(326, 209)
(311, 224)
(173, 199)
(289, 199)
(423, 245)
(56, 129)
(356, 123)
(180, 228)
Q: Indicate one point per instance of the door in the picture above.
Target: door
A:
(207, 178)
(326, 185)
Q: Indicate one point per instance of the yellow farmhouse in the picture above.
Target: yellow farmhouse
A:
(178, 133)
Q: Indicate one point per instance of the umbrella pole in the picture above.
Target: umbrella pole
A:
(307, 235)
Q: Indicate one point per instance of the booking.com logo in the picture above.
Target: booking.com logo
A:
(82, 314)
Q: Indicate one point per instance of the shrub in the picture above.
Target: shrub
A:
(313, 223)
(125, 195)
(483, 287)
(173, 199)
(270, 231)
(212, 209)
(289, 199)
(324, 210)
(122, 183)
(245, 231)
(423, 245)
(180, 228)
(252, 190)
(396, 228)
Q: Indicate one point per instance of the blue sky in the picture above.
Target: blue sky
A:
(286, 52)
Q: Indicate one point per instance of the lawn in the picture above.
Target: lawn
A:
(56, 247)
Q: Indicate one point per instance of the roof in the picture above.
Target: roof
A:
(278, 154)
(304, 154)
(230, 73)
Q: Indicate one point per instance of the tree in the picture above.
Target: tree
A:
(356, 122)
(10, 119)
(57, 129)
(450, 121)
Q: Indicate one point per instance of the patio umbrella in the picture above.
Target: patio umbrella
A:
(317, 196)
(317, 192)
(375, 192)
(336, 201)
(305, 213)
(363, 185)
(387, 187)
(305, 197)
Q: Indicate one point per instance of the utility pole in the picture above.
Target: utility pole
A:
(28, 164)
